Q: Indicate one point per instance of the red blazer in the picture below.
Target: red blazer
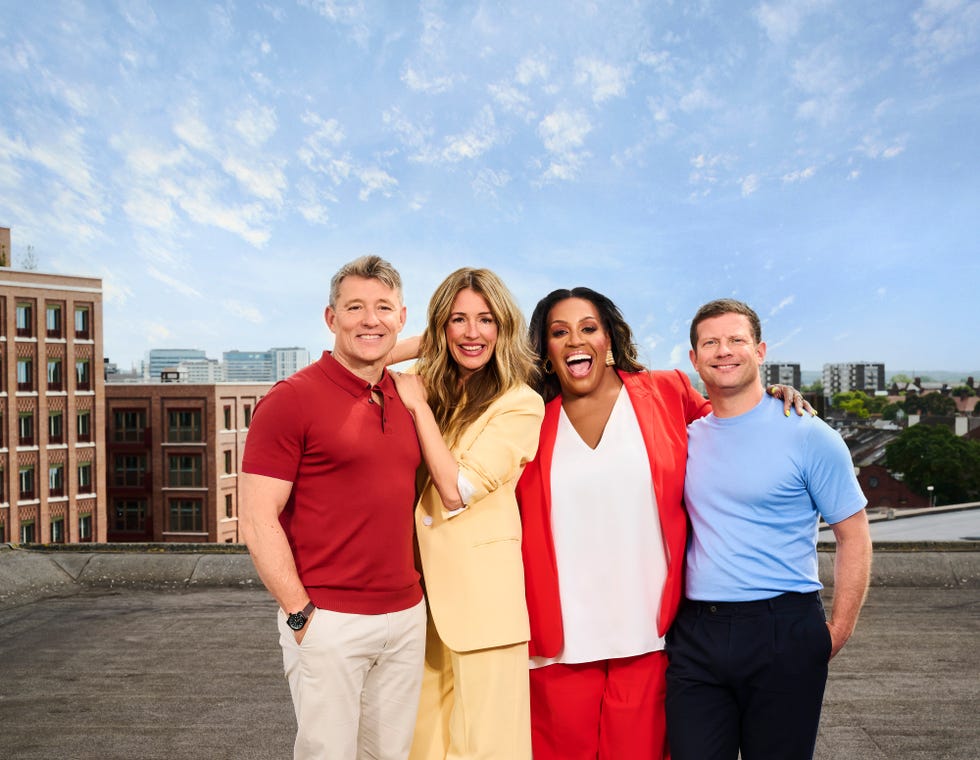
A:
(664, 403)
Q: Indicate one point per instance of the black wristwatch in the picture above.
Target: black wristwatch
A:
(296, 620)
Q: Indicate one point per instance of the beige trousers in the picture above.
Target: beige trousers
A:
(474, 705)
(355, 682)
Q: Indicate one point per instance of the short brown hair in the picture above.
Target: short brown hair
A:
(725, 306)
(370, 268)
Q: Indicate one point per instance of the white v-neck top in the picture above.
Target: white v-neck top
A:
(608, 546)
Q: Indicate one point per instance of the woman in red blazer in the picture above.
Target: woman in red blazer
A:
(604, 533)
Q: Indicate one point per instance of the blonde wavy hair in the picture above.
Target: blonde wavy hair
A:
(454, 403)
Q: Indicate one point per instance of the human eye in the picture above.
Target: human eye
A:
(558, 332)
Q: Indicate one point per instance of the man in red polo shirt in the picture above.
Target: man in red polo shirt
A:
(328, 491)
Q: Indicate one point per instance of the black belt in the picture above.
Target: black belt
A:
(784, 601)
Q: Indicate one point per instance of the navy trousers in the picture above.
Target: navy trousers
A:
(747, 676)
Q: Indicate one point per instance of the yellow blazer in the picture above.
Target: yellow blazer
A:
(471, 561)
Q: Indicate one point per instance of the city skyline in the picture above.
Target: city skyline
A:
(214, 164)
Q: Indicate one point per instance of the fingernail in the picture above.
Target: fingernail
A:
(787, 412)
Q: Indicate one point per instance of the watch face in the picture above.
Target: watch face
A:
(296, 621)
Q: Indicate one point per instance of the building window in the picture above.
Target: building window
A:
(130, 425)
(184, 425)
(58, 530)
(83, 323)
(56, 427)
(228, 467)
(248, 415)
(186, 515)
(85, 477)
(56, 480)
(85, 527)
(872, 482)
(84, 424)
(25, 374)
(227, 418)
(52, 320)
(184, 471)
(129, 515)
(129, 470)
(55, 377)
(228, 505)
(26, 477)
(27, 532)
(25, 320)
(25, 428)
(83, 374)
(3, 490)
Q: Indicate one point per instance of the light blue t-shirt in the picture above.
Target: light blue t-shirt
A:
(755, 486)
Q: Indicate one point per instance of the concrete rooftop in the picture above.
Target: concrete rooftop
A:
(173, 655)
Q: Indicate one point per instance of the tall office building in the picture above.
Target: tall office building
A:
(52, 405)
(160, 360)
(858, 376)
(263, 366)
(289, 360)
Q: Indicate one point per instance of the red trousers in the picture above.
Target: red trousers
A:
(606, 710)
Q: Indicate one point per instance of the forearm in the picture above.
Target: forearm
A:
(852, 571)
(269, 548)
(442, 465)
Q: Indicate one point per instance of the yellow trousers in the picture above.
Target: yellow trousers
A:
(473, 705)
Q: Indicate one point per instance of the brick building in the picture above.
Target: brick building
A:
(173, 451)
(52, 446)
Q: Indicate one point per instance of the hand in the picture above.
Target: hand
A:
(411, 389)
(791, 398)
(301, 633)
(837, 639)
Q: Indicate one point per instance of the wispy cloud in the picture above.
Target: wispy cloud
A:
(945, 31)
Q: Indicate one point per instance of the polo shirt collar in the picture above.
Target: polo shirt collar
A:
(354, 385)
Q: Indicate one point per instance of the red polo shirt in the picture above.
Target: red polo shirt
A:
(352, 463)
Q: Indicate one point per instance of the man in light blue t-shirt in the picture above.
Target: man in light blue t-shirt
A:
(749, 651)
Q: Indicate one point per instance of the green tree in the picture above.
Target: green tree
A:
(930, 403)
(931, 455)
(963, 391)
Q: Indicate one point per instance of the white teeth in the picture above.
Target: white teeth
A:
(577, 358)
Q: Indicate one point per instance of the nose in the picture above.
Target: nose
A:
(470, 329)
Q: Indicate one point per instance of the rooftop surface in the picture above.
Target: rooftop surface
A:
(175, 656)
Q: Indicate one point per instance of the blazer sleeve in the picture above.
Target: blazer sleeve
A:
(505, 440)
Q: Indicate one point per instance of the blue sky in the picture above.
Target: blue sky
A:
(215, 162)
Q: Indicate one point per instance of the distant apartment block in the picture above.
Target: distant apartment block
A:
(173, 452)
(859, 376)
(780, 374)
(264, 366)
(52, 407)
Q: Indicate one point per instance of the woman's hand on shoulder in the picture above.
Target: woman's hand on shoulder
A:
(791, 398)
(411, 389)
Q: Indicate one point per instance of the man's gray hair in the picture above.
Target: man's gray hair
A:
(370, 268)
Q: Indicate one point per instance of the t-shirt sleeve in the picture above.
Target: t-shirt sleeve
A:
(831, 481)
(274, 444)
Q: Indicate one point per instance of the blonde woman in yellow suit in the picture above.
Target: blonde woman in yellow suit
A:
(478, 423)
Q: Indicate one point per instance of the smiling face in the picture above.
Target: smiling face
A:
(366, 320)
(471, 332)
(727, 357)
(577, 346)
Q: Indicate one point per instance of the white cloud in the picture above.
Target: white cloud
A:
(563, 134)
(266, 182)
(875, 148)
(783, 20)
(606, 81)
(488, 182)
(240, 310)
(788, 301)
(180, 286)
(946, 30)
(418, 81)
(149, 209)
(698, 99)
(195, 133)
(481, 136)
(750, 184)
(256, 124)
(679, 354)
(375, 180)
(799, 175)
(531, 69)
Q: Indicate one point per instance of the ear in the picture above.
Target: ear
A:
(694, 359)
(329, 317)
(402, 316)
(760, 351)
